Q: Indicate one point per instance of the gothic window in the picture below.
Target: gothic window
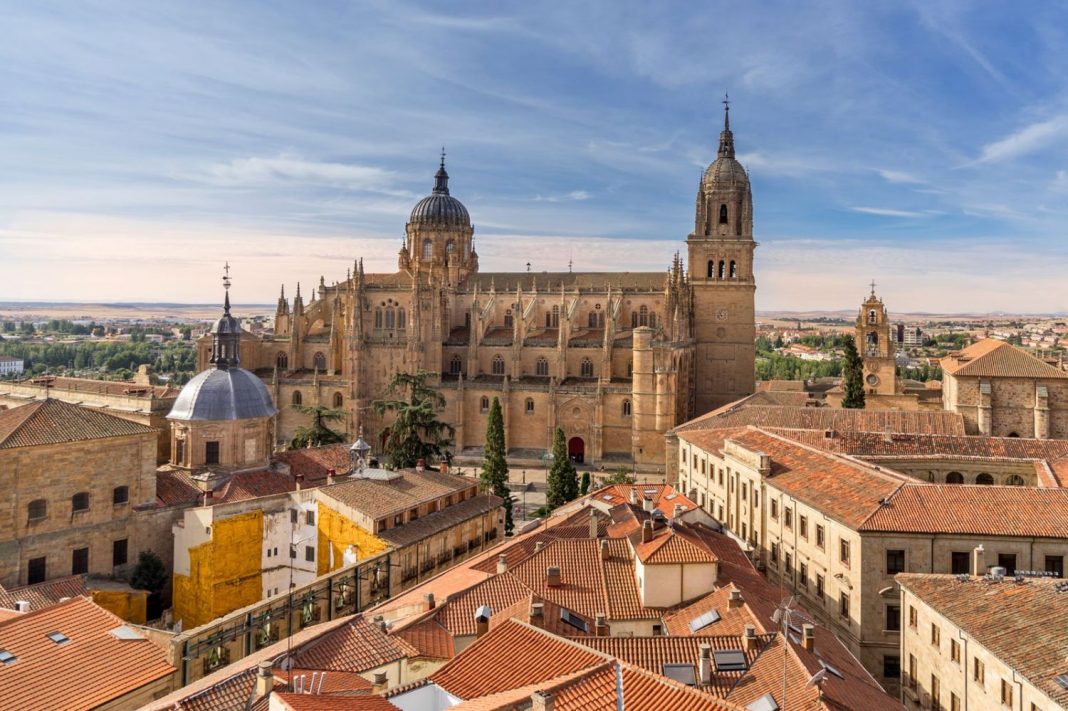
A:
(722, 214)
(456, 365)
(297, 399)
(320, 361)
(428, 249)
(508, 318)
(498, 365)
(643, 316)
(633, 319)
(391, 318)
(339, 400)
(630, 368)
(483, 404)
(554, 318)
(282, 361)
(652, 320)
(542, 367)
(711, 269)
(954, 478)
(734, 270)
(984, 479)
(378, 318)
(528, 406)
(626, 408)
(401, 320)
(722, 269)
(450, 247)
(1015, 480)
(587, 368)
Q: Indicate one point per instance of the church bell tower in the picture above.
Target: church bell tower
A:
(876, 347)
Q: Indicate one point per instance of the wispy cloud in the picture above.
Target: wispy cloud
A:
(1026, 140)
(574, 195)
(899, 176)
(890, 212)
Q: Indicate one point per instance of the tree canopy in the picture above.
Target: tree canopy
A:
(416, 432)
(853, 376)
(318, 434)
(494, 465)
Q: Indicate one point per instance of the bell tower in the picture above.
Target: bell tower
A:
(875, 346)
(720, 251)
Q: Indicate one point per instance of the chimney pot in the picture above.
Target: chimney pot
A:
(264, 678)
(380, 682)
(330, 473)
(22, 605)
(647, 505)
(502, 563)
(593, 524)
(420, 465)
(298, 480)
(679, 510)
(537, 614)
(979, 560)
(601, 625)
(538, 546)
(647, 531)
(482, 618)
(207, 497)
(734, 600)
(431, 603)
(749, 639)
(541, 701)
(633, 495)
(704, 664)
(604, 549)
(808, 637)
(552, 576)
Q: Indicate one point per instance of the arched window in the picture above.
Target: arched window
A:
(428, 249)
(553, 319)
(872, 317)
(450, 247)
(984, 479)
(320, 361)
(1014, 434)
(297, 399)
(587, 368)
(1015, 480)
(339, 400)
(498, 365)
(528, 406)
(401, 320)
(391, 318)
(722, 214)
(954, 478)
(643, 316)
(626, 408)
(456, 365)
(37, 509)
(541, 367)
(630, 368)
(633, 319)
(593, 319)
(378, 318)
(120, 495)
(483, 404)
(734, 270)
(508, 318)
(722, 269)
(711, 269)
(80, 501)
(282, 361)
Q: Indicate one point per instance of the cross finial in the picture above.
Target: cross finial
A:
(443, 156)
(726, 111)
(226, 276)
(873, 287)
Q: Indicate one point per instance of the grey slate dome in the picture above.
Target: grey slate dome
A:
(440, 208)
(223, 394)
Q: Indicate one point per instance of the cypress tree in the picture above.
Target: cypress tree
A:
(853, 376)
(494, 465)
(562, 484)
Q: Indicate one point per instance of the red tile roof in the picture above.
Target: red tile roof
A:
(730, 622)
(315, 463)
(328, 702)
(175, 488)
(93, 654)
(53, 421)
(430, 638)
(992, 358)
(828, 418)
(46, 594)
(355, 646)
(667, 548)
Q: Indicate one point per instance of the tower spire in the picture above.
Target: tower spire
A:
(726, 138)
(726, 111)
(226, 333)
(441, 178)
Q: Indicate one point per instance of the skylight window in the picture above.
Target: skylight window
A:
(608, 497)
(1062, 680)
(831, 669)
(704, 620)
(764, 703)
(574, 620)
(7, 658)
(669, 497)
(730, 660)
(58, 637)
(682, 673)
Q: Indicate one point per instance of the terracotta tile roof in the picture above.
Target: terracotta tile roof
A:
(231, 694)
(457, 614)
(326, 702)
(54, 422)
(978, 510)
(828, 418)
(992, 358)
(663, 496)
(176, 488)
(378, 498)
(642, 691)
(513, 655)
(442, 519)
(355, 646)
(252, 485)
(1000, 616)
(31, 682)
(46, 594)
(670, 548)
(551, 621)
(730, 622)
(430, 638)
(332, 682)
(315, 463)
(101, 387)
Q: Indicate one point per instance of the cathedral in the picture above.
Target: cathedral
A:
(615, 359)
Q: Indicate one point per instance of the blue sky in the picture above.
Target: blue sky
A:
(923, 144)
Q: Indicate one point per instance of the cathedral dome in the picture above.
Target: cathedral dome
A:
(223, 394)
(725, 173)
(440, 208)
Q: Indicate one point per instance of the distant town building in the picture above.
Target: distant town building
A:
(10, 365)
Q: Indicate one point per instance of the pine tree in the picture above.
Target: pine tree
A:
(562, 484)
(416, 433)
(853, 376)
(494, 465)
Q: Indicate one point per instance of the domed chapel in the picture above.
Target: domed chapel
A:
(613, 358)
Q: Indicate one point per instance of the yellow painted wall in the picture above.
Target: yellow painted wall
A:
(224, 572)
(130, 605)
(339, 532)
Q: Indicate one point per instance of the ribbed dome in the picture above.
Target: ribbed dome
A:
(440, 208)
(231, 394)
(725, 173)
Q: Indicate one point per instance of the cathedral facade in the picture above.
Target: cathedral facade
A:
(615, 359)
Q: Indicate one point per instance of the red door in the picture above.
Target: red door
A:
(576, 450)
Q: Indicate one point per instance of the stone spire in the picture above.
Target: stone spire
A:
(726, 138)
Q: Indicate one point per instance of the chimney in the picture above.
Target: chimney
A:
(420, 465)
(298, 480)
(502, 563)
(482, 618)
(381, 681)
(207, 497)
(734, 600)
(600, 625)
(808, 637)
(443, 467)
(537, 614)
(552, 576)
(265, 679)
(538, 546)
(22, 605)
(593, 525)
(679, 511)
(978, 560)
(704, 665)
(749, 639)
(647, 505)
(647, 531)
(541, 701)
(604, 549)
(431, 603)
(634, 495)
(330, 477)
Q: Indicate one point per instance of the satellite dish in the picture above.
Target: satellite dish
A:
(816, 678)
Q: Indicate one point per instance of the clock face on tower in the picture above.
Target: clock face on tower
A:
(873, 379)
(721, 314)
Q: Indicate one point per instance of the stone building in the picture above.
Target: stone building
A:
(76, 482)
(615, 359)
(876, 347)
(1004, 391)
(983, 643)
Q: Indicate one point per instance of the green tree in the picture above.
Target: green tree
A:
(584, 484)
(619, 476)
(494, 465)
(562, 483)
(416, 433)
(318, 433)
(149, 573)
(853, 376)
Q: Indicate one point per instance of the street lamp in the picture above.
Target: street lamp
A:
(358, 453)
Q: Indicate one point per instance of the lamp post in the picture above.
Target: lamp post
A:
(358, 453)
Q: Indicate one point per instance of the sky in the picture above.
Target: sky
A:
(920, 144)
